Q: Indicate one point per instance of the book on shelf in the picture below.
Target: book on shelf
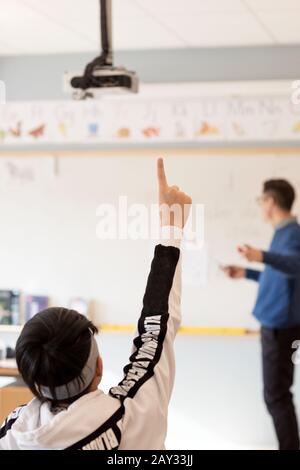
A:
(35, 304)
(10, 307)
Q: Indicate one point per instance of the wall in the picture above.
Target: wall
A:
(48, 229)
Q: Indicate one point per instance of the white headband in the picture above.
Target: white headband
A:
(79, 384)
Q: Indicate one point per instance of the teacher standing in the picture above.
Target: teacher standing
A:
(277, 307)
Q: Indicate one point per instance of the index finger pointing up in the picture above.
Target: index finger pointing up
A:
(162, 180)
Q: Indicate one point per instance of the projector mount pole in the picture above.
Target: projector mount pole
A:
(106, 30)
(106, 57)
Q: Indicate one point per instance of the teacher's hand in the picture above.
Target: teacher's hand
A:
(250, 253)
(234, 272)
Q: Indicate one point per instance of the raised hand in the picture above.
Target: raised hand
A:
(174, 204)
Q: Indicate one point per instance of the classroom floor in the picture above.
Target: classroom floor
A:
(217, 400)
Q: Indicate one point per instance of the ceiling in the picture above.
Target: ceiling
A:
(60, 26)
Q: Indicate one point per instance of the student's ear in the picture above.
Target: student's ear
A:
(99, 368)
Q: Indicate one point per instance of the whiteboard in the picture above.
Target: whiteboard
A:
(48, 235)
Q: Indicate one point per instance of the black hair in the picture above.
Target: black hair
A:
(281, 191)
(53, 348)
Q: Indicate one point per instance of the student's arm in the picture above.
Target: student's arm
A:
(149, 376)
(6, 443)
(158, 324)
(252, 274)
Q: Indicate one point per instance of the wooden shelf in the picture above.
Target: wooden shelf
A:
(9, 372)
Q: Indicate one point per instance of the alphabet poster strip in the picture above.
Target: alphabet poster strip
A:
(148, 120)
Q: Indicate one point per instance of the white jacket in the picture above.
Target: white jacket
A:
(134, 414)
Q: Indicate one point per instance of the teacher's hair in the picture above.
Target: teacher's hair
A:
(281, 191)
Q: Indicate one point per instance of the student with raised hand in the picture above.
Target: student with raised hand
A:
(58, 358)
(277, 306)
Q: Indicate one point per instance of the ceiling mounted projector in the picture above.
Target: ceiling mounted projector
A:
(101, 76)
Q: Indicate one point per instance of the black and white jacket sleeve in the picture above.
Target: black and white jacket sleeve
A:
(149, 377)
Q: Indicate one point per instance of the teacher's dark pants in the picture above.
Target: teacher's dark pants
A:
(278, 372)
